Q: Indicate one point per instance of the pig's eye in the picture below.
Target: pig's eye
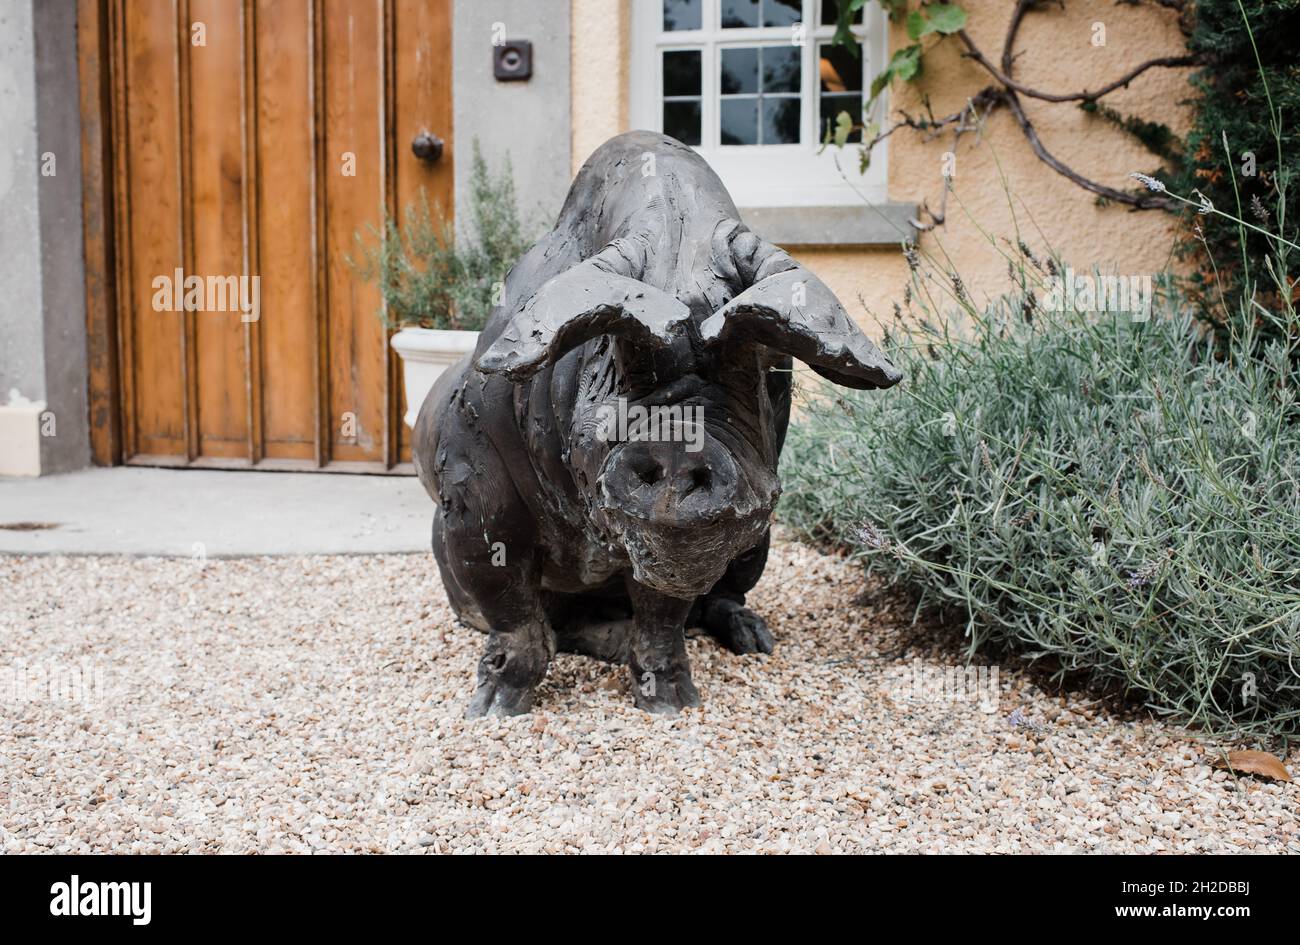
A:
(701, 479)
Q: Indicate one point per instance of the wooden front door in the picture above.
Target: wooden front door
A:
(257, 138)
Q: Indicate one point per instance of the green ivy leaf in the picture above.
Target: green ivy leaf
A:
(917, 26)
(844, 25)
(907, 70)
(879, 82)
(843, 128)
(945, 18)
(906, 63)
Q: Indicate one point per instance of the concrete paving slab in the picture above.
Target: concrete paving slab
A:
(130, 510)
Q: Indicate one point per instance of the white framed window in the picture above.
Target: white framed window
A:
(751, 85)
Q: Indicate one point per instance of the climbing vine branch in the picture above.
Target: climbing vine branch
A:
(945, 20)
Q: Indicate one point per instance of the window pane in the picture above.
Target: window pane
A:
(831, 10)
(739, 13)
(831, 106)
(682, 15)
(782, 12)
(740, 121)
(780, 121)
(682, 72)
(781, 69)
(682, 121)
(840, 70)
(739, 71)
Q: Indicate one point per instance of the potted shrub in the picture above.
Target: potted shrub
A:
(438, 287)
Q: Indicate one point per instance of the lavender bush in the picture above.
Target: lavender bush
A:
(1116, 497)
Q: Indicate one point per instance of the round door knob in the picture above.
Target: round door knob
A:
(427, 147)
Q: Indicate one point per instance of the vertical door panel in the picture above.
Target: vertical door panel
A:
(216, 210)
(157, 402)
(285, 228)
(353, 185)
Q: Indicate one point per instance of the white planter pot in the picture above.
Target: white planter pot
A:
(426, 353)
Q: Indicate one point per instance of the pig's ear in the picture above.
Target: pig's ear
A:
(577, 305)
(790, 310)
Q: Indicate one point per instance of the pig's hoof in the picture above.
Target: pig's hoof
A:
(496, 697)
(738, 628)
(507, 675)
(664, 693)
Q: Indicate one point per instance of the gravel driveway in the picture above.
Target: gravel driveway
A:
(314, 704)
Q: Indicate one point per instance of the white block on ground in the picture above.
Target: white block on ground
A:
(20, 438)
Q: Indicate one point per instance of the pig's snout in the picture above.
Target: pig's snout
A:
(684, 515)
(663, 483)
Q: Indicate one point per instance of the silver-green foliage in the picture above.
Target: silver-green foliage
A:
(432, 278)
(1115, 496)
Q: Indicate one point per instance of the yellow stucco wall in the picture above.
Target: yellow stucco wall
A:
(1056, 53)
(599, 52)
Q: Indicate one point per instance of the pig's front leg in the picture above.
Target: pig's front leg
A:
(661, 673)
(486, 544)
(723, 613)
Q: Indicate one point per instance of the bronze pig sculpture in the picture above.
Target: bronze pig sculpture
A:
(564, 519)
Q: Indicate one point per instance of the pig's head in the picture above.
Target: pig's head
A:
(685, 473)
(682, 403)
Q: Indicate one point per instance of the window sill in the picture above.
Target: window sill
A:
(884, 224)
